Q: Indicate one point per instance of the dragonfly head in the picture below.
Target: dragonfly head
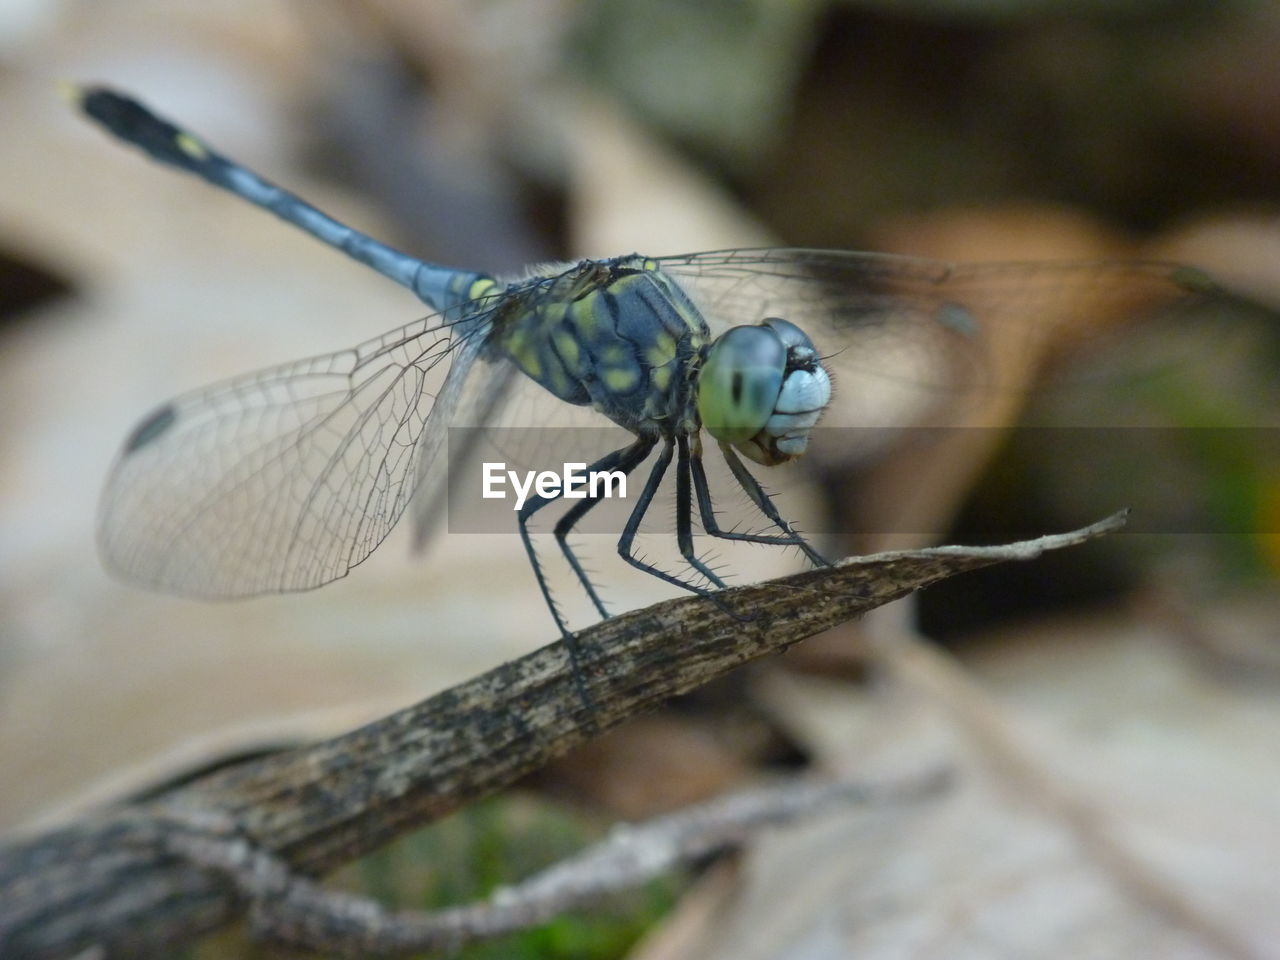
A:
(761, 389)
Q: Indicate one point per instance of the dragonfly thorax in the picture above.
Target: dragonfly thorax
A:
(617, 335)
(761, 389)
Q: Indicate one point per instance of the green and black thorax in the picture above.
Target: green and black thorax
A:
(618, 335)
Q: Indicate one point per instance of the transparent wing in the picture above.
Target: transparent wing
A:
(504, 417)
(474, 398)
(909, 340)
(285, 479)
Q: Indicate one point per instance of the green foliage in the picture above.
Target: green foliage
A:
(498, 842)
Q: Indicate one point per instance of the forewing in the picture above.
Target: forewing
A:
(283, 479)
(913, 341)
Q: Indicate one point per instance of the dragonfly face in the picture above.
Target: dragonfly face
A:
(762, 389)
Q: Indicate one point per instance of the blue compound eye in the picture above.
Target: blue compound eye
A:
(792, 337)
(740, 381)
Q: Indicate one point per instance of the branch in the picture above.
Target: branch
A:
(294, 912)
(126, 884)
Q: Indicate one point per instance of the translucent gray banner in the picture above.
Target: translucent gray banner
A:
(1175, 480)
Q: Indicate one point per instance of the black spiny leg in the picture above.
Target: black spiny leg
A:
(625, 460)
(637, 516)
(531, 506)
(684, 514)
(758, 497)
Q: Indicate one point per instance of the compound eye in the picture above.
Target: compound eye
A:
(740, 381)
(792, 337)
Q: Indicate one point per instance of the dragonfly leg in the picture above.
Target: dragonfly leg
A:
(758, 496)
(624, 460)
(684, 510)
(627, 540)
(530, 507)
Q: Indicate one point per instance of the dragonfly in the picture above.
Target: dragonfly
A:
(287, 478)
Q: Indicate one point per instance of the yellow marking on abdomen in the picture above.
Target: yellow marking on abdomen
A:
(191, 146)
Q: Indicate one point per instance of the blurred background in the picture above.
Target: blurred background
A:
(1141, 672)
